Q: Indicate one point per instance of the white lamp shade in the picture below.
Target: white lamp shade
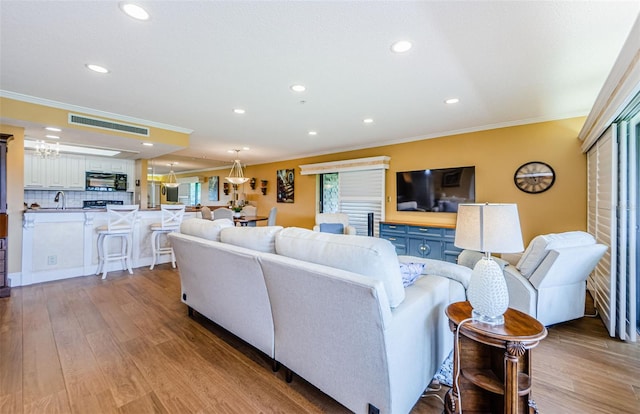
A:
(235, 175)
(489, 228)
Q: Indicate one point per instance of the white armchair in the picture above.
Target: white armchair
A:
(331, 219)
(548, 280)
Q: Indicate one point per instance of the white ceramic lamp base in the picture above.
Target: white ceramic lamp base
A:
(488, 292)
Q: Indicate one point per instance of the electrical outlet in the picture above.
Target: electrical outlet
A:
(52, 260)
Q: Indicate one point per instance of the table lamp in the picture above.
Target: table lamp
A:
(488, 228)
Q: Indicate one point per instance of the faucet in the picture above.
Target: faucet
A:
(57, 200)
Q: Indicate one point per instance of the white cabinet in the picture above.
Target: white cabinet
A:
(118, 166)
(75, 172)
(97, 164)
(64, 172)
(34, 170)
(56, 172)
(107, 165)
(67, 172)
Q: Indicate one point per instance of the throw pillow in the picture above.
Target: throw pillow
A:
(335, 228)
(410, 272)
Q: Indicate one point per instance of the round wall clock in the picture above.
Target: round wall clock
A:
(534, 177)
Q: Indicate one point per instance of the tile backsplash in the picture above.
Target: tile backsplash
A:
(74, 198)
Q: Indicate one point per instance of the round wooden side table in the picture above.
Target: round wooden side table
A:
(494, 362)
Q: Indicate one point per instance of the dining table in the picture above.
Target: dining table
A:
(249, 220)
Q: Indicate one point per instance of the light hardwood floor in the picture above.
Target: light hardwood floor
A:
(126, 345)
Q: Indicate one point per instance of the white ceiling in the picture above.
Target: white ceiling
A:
(192, 63)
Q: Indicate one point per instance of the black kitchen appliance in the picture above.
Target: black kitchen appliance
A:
(100, 203)
(105, 181)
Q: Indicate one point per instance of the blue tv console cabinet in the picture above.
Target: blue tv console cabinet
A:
(431, 242)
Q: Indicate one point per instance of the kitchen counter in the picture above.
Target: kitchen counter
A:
(59, 244)
(94, 210)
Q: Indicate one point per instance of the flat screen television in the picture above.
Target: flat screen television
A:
(435, 190)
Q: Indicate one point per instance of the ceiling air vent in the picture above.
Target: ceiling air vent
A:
(110, 125)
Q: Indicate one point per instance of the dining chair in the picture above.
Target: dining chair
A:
(171, 217)
(272, 216)
(120, 221)
(220, 213)
(206, 213)
(249, 210)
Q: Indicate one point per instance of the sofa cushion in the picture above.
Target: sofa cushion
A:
(205, 229)
(540, 246)
(256, 238)
(335, 228)
(368, 256)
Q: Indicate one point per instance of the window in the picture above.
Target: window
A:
(354, 187)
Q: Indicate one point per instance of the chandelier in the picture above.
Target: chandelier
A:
(235, 175)
(172, 180)
(46, 150)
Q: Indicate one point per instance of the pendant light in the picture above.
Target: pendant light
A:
(235, 175)
(172, 180)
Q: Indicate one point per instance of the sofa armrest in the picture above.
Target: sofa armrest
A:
(522, 294)
(567, 266)
(511, 258)
(460, 274)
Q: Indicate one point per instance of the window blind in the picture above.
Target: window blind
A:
(602, 178)
(362, 192)
(612, 218)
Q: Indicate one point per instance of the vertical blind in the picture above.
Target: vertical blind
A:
(613, 219)
(601, 224)
(362, 192)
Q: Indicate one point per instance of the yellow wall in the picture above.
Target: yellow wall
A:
(495, 153)
(15, 195)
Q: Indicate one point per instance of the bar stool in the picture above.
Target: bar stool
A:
(120, 221)
(171, 218)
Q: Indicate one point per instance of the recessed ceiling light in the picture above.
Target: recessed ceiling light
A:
(52, 136)
(246, 148)
(97, 68)
(135, 11)
(313, 133)
(298, 88)
(239, 111)
(452, 101)
(401, 46)
(53, 129)
(147, 144)
(368, 120)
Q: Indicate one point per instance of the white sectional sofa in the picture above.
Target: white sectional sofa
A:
(331, 308)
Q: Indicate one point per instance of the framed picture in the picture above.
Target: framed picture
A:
(285, 179)
(452, 178)
(213, 188)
